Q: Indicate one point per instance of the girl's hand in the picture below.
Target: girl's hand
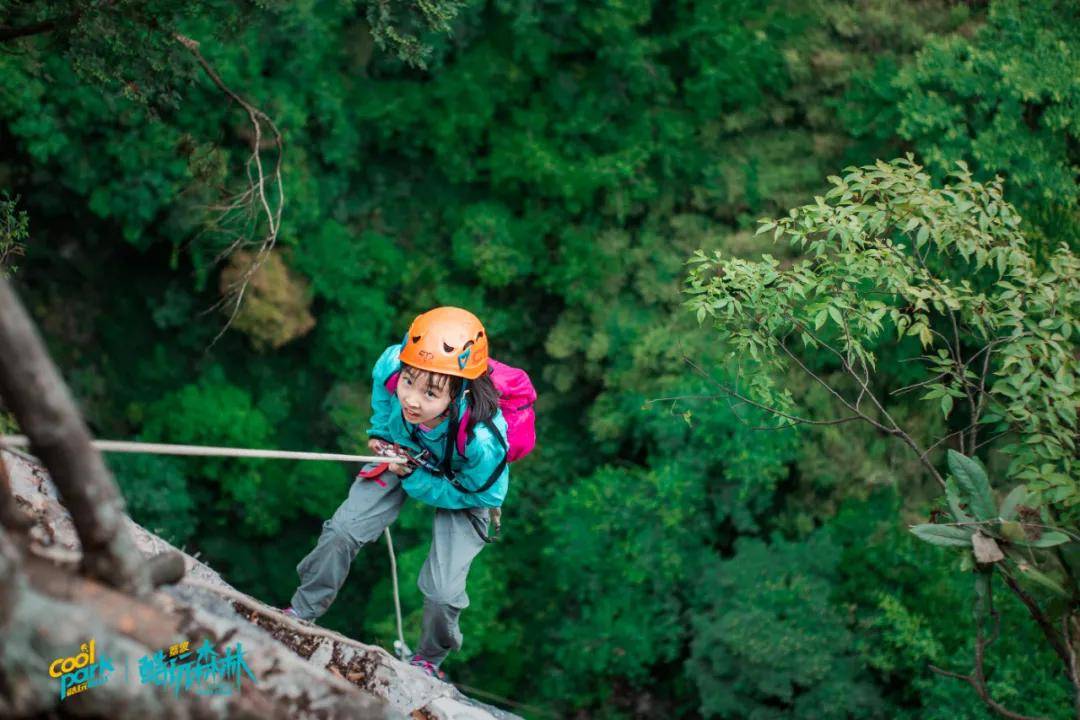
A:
(383, 448)
(399, 470)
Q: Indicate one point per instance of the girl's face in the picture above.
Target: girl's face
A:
(424, 396)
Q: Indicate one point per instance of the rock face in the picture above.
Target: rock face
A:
(302, 671)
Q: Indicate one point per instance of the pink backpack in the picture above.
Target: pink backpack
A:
(516, 399)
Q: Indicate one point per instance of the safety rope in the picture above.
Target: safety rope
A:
(204, 451)
(399, 645)
(403, 652)
(10, 442)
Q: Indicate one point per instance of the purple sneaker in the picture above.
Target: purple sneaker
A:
(291, 613)
(429, 668)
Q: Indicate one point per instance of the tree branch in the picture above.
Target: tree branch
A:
(34, 391)
(725, 390)
(977, 678)
(45, 26)
(1039, 616)
(253, 201)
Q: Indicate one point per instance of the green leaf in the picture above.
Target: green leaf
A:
(921, 236)
(1015, 498)
(1041, 578)
(952, 495)
(947, 535)
(946, 404)
(974, 486)
(925, 336)
(1050, 538)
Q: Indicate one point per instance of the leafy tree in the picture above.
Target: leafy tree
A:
(886, 253)
(1002, 98)
(767, 641)
(910, 608)
(623, 543)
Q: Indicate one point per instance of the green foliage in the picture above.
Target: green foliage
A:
(885, 252)
(973, 485)
(156, 491)
(14, 231)
(623, 546)
(1005, 99)
(909, 608)
(992, 534)
(768, 643)
(551, 172)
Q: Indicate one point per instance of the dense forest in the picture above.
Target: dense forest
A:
(592, 180)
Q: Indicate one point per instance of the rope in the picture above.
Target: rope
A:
(199, 450)
(313, 631)
(8, 443)
(402, 649)
(13, 441)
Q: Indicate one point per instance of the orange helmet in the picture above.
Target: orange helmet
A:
(447, 340)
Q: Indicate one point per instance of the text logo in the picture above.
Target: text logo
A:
(82, 671)
(207, 673)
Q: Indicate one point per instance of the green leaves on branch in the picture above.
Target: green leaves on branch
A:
(885, 256)
(989, 530)
(14, 231)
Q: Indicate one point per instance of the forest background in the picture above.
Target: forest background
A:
(552, 167)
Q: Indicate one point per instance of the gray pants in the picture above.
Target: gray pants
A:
(361, 519)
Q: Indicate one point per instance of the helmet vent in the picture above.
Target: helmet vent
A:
(447, 348)
(416, 339)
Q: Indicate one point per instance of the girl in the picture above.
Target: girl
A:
(440, 369)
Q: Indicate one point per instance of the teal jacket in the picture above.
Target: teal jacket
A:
(483, 453)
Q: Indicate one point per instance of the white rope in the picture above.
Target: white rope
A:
(203, 451)
(12, 441)
(402, 649)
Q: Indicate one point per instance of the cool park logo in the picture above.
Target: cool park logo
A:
(204, 671)
(82, 671)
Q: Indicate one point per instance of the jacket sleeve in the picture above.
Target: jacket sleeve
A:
(385, 366)
(484, 458)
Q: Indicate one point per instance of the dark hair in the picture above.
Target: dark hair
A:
(483, 396)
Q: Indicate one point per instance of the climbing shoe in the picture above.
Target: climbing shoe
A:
(429, 668)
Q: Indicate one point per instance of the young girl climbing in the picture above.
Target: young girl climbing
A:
(422, 390)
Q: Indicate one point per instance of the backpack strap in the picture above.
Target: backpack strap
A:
(451, 476)
(498, 471)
